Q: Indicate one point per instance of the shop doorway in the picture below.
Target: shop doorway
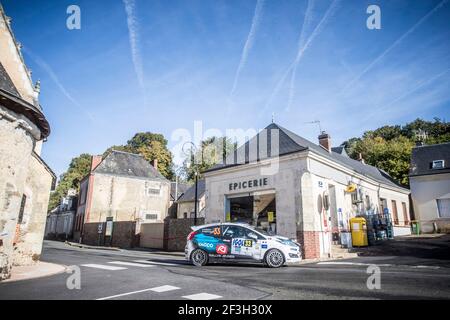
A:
(258, 210)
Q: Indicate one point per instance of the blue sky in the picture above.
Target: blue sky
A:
(230, 64)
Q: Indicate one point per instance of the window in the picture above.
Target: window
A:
(383, 205)
(233, 232)
(438, 164)
(151, 216)
(22, 209)
(152, 191)
(394, 211)
(443, 206)
(367, 202)
(405, 214)
(213, 231)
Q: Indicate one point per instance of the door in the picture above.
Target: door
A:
(243, 242)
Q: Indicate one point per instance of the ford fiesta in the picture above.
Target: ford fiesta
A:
(239, 242)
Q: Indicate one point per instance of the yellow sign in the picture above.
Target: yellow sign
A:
(228, 217)
(351, 188)
(270, 216)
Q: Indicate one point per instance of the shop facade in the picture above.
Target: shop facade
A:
(303, 193)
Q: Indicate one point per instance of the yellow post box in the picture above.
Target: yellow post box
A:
(359, 232)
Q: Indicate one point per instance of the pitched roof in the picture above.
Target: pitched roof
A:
(189, 195)
(182, 187)
(340, 150)
(423, 156)
(122, 163)
(6, 82)
(290, 142)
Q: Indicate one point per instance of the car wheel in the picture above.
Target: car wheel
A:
(199, 257)
(274, 258)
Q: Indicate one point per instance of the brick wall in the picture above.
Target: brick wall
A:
(310, 243)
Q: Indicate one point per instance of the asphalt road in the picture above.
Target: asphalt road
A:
(142, 275)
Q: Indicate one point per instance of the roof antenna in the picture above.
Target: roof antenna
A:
(273, 116)
(318, 122)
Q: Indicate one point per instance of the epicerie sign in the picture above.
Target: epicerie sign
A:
(248, 184)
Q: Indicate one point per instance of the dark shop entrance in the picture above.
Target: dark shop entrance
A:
(255, 209)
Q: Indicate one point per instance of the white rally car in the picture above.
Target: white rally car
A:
(239, 242)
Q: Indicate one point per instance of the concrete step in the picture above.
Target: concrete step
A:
(337, 252)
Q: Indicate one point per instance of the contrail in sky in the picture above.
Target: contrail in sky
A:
(44, 66)
(302, 48)
(133, 33)
(249, 43)
(407, 33)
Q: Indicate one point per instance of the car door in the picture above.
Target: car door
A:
(242, 243)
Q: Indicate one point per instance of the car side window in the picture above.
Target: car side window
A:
(233, 232)
(212, 231)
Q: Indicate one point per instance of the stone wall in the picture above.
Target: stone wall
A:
(126, 199)
(16, 145)
(123, 235)
(176, 232)
(31, 231)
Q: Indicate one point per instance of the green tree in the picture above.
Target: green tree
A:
(78, 168)
(389, 147)
(212, 151)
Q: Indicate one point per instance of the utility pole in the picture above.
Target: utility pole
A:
(196, 196)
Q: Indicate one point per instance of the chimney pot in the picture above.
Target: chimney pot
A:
(325, 141)
(155, 163)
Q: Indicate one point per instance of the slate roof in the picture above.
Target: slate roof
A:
(182, 187)
(127, 164)
(6, 82)
(189, 195)
(290, 142)
(423, 156)
(340, 150)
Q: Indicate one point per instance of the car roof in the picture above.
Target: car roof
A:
(240, 224)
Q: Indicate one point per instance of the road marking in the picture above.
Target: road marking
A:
(132, 264)
(101, 266)
(164, 288)
(157, 263)
(202, 296)
(125, 294)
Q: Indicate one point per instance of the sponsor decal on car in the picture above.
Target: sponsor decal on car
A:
(205, 245)
(264, 246)
(237, 242)
(222, 249)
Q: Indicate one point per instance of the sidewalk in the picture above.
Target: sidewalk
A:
(140, 250)
(39, 270)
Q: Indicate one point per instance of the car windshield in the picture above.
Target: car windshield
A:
(264, 232)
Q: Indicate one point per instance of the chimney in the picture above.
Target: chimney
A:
(155, 163)
(325, 141)
(360, 158)
(95, 161)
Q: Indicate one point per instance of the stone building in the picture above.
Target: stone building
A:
(429, 179)
(25, 179)
(61, 219)
(120, 193)
(186, 203)
(284, 183)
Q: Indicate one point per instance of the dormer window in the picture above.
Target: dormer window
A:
(437, 164)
